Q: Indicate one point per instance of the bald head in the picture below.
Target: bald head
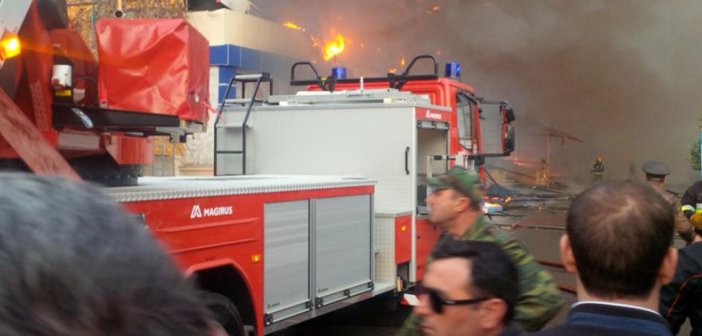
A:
(619, 233)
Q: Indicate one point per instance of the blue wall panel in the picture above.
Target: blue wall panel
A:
(225, 55)
(251, 59)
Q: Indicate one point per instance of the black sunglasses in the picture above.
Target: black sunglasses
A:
(437, 302)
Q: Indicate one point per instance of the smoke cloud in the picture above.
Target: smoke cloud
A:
(624, 76)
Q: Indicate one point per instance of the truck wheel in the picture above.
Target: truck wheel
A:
(225, 313)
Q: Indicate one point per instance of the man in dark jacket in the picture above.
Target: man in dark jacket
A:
(682, 297)
(470, 289)
(618, 243)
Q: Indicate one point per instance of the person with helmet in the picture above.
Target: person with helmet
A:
(598, 169)
(542, 175)
(691, 204)
(656, 171)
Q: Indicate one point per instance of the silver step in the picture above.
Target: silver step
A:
(232, 125)
(234, 119)
(237, 101)
(249, 76)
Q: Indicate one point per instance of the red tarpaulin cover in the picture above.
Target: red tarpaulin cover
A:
(154, 66)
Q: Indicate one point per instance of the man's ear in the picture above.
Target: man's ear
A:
(668, 266)
(462, 202)
(567, 257)
(492, 312)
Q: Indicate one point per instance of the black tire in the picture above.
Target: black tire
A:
(224, 313)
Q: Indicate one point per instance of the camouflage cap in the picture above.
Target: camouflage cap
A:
(459, 179)
(653, 167)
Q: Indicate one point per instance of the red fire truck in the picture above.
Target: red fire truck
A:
(397, 130)
(272, 250)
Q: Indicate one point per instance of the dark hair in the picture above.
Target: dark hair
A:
(619, 232)
(493, 273)
(74, 263)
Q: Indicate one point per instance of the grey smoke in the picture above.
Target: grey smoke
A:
(625, 75)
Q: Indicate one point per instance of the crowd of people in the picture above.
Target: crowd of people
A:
(618, 242)
(479, 280)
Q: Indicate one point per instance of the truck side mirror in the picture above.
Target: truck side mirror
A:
(478, 160)
(508, 137)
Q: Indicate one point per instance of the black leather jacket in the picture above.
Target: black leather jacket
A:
(682, 298)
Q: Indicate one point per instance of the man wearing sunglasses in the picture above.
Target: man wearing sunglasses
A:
(469, 289)
(618, 242)
(455, 206)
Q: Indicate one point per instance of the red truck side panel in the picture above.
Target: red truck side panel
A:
(231, 235)
(427, 235)
(403, 239)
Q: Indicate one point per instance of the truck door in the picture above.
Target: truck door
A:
(432, 154)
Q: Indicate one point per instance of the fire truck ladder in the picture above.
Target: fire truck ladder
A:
(249, 102)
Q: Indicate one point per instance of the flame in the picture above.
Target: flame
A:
(435, 8)
(392, 70)
(334, 47)
(402, 61)
(293, 25)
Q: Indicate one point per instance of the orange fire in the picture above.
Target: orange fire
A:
(334, 47)
(293, 25)
(402, 61)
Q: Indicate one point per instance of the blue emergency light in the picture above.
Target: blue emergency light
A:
(339, 72)
(453, 70)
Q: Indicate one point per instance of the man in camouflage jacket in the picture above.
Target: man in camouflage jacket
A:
(455, 206)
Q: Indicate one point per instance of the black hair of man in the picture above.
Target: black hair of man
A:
(493, 274)
(619, 233)
(74, 263)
